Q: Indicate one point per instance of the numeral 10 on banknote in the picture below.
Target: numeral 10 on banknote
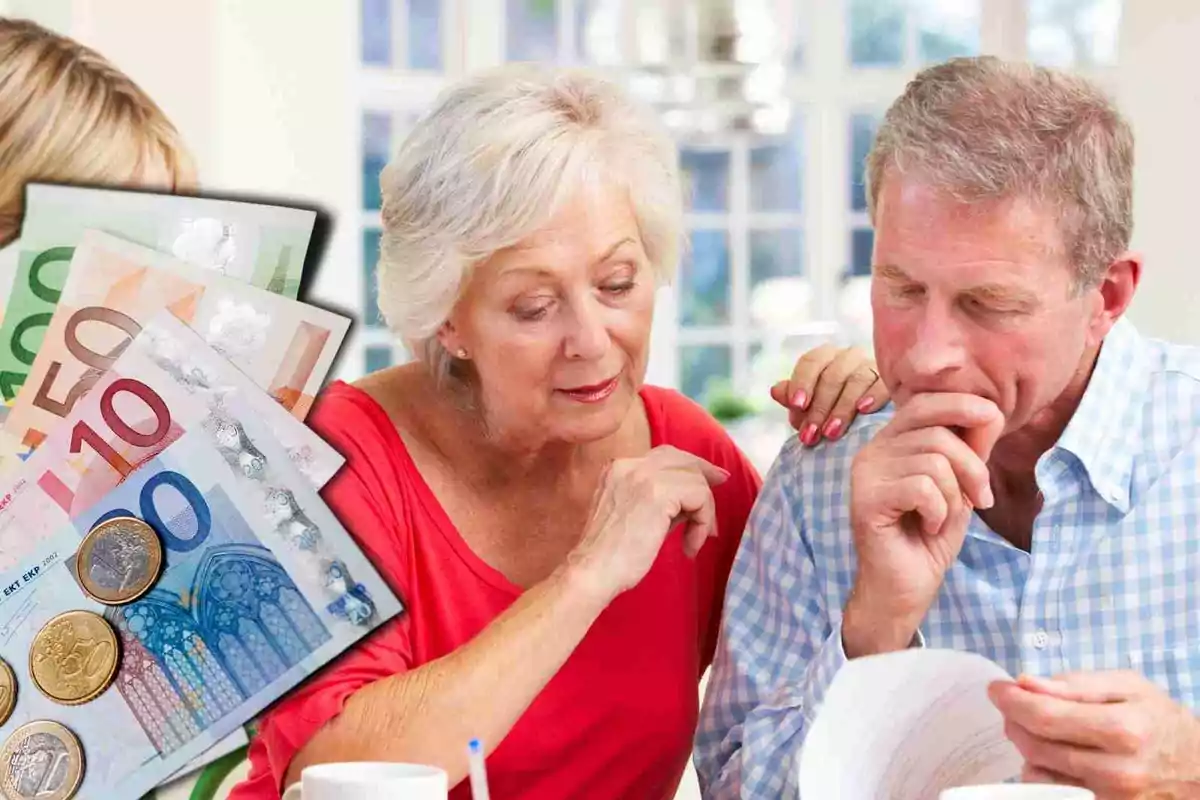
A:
(83, 433)
(97, 363)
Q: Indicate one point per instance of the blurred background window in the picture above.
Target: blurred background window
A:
(779, 235)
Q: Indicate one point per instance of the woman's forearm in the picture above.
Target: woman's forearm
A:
(429, 714)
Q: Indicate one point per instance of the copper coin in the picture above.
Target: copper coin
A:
(8, 691)
(119, 560)
(74, 657)
(41, 760)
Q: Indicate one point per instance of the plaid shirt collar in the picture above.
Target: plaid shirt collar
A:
(1100, 433)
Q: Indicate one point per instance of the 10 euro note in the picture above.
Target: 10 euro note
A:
(256, 244)
(261, 586)
(284, 346)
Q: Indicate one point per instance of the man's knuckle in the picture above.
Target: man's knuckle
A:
(1131, 736)
(1042, 722)
(934, 465)
(927, 488)
(1016, 735)
(1129, 780)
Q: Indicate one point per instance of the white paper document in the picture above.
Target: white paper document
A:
(906, 726)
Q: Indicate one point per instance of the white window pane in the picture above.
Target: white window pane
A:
(862, 134)
(862, 242)
(877, 29)
(425, 34)
(1081, 33)
(376, 149)
(370, 308)
(532, 30)
(375, 32)
(704, 369)
(706, 178)
(775, 177)
(775, 254)
(377, 357)
(946, 28)
(704, 280)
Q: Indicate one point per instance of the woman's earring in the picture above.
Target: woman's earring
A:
(462, 353)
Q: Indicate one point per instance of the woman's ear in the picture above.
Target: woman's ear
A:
(450, 339)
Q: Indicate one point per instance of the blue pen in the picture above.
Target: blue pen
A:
(478, 771)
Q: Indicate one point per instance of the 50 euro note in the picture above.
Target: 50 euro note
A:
(257, 244)
(284, 346)
(261, 587)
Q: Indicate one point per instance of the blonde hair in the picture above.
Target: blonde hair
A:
(491, 163)
(67, 115)
(986, 129)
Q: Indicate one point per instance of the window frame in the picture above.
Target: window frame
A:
(826, 91)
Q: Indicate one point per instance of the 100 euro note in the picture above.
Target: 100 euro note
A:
(257, 244)
(285, 346)
(261, 587)
(8, 271)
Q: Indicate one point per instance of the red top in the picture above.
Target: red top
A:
(617, 720)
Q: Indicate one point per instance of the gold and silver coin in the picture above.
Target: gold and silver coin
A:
(119, 560)
(41, 761)
(74, 657)
(8, 691)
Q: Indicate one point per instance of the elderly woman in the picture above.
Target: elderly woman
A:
(544, 515)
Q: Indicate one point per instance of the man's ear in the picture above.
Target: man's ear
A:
(1116, 289)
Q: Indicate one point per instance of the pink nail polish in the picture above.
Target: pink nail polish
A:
(799, 400)
(864, 404)
(833, 428)
(809, 436)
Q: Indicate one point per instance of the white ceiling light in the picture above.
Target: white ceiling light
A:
(712, 67)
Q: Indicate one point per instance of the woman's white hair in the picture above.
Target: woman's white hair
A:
(985, 129)
(492, 162)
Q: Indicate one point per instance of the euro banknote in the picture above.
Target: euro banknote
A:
(163, 385)
(285, 346)
(261, 245)
(261, 587)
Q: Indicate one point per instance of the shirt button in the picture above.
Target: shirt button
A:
(1040, 640)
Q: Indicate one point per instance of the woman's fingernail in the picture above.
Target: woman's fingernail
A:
(864, 403)
(799, 399)
(833, 428)
(809, 436)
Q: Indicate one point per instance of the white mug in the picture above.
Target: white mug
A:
(1017, 791)
(369, 780)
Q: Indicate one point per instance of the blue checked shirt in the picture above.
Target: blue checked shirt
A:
(1112, 580)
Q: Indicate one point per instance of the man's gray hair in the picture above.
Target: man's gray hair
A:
(983, 129)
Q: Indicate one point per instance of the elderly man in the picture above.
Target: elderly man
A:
(1034, 495)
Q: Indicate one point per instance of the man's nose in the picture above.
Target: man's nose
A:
(938, 347)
